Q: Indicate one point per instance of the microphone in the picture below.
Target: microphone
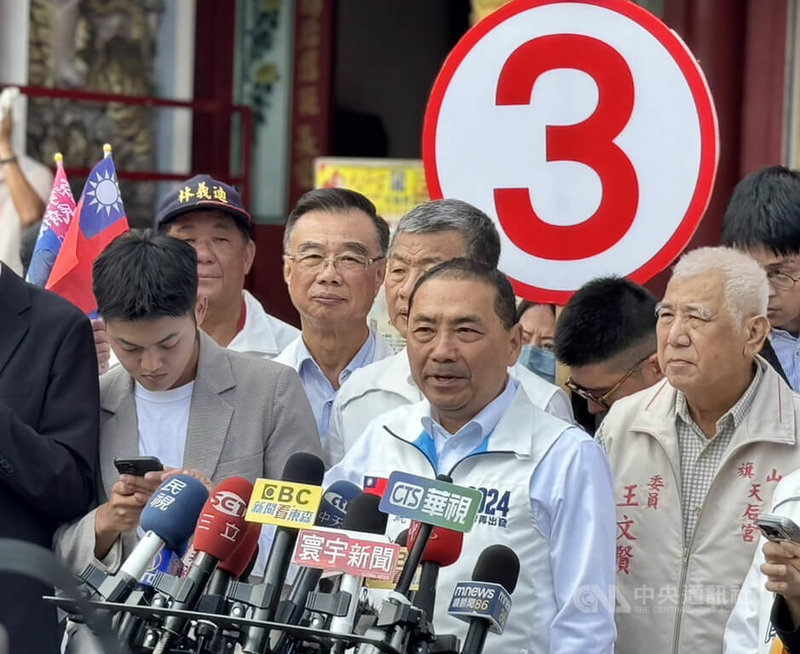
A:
(236, 563)
(167, 520)
(363, 516)
(333, 509)
(443, 549)
(486, 602)
(302, 468)
(167, 561)
(220, 527)
(402, 538)
(335, 504)
(432, 503)
(336, 501)
(234, 566)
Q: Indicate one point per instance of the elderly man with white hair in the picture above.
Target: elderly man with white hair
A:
(697, 456)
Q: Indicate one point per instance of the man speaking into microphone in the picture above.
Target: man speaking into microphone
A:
(547, 487)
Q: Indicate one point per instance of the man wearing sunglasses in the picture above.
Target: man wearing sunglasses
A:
(606, 334)
(697, 457)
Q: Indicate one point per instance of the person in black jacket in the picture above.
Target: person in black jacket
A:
(49, 421)
(763, 220)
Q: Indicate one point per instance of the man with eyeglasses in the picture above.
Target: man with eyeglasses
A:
(606, 334)
(429, 234)
(334, 263)
(697, 456)
(763, 220)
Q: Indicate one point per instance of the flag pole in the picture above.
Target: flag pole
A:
(106, 150)
(58, 158)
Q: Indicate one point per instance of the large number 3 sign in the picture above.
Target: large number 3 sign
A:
(502, 132)
(590, 142)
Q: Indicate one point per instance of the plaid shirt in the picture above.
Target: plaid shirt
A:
(701, 456)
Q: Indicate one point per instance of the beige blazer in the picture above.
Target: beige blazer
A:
(247, 416)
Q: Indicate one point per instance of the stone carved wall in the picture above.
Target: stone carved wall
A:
(105, 46)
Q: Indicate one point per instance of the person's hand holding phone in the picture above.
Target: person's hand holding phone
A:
(782, 569)
(124, 508)
(120, 514)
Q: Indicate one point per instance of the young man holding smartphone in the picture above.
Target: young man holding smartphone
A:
(177, 396)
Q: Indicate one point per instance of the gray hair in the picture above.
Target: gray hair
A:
(746, 285)
(480, 234)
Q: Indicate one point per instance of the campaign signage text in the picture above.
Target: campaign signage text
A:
(283, 503)
(477, 599)
(347, 552)
(585, 129)
(431, 501)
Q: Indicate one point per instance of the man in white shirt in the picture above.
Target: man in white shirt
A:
(427, 235)
(209, 215)
(334, 250)
(548, 485)
(24, 188)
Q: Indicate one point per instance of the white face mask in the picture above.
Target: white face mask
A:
(542, 362)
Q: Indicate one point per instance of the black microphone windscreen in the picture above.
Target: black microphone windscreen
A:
(364, 515)
(402, 538)
(304, 468)
(497, 564)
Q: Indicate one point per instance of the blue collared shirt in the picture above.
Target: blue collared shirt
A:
(787, 349)
(571, 495)
(320, 391)
(472, 437)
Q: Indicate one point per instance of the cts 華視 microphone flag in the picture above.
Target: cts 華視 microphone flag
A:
(99, 219)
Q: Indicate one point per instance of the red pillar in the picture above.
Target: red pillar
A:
(215, 40)
(717, 41)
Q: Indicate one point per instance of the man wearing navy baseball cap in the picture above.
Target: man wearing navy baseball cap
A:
(209, 214)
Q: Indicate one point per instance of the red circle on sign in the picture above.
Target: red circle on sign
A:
(709, 142)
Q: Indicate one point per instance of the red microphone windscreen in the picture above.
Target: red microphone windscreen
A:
(221, 524)
(238, 560)
(444, 545)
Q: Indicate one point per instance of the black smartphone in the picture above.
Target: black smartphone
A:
(137, 465)
(778, 528)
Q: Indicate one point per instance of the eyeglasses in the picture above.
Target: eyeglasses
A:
(603, 400)
(354, 263)
(781, 280)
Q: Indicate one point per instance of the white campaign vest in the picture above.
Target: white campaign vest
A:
(504, 471)
(387, 384)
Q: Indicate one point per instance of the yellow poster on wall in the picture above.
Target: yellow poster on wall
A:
(395, 186)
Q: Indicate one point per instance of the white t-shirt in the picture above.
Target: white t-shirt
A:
(163, 418)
